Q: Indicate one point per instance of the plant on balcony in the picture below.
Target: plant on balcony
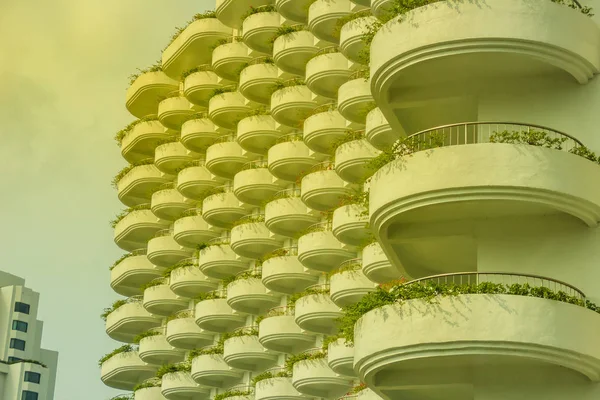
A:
(349, 18)
(405, 147)
(250, 219)
(357, 389)
(123, 397)
(251, 273)
(150, 383)
(209, 296)
(173, 368)
(222, 90)
(319, 289)
(318, 227)
(327, 341)
(112, 308)
(257, 10)
(153, 283)
(157, 66)
(211, 192)
(126, 212)
(428, 291)
(350, 136)
(211, 350)
(196, 17)
(119, 136)
(126, 348)
(231, 393)
(289, 83)
(276, 253)
(354, 266)
(180, 315)
(308, 355)
(187, 263)
(259, 111)
(287, 30)
(259, 60)
(325, 50)
(118, 261)
(150, 333)
(270, 374)
(28, 361)
(359, 198)
(199, 68)
(128, 168)
(169, 139)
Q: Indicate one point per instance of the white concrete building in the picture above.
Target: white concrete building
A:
(373, 199)
(27, 372)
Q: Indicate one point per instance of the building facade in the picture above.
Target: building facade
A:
(373, 199)
(27, 372)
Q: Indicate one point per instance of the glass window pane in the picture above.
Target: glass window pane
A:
(19, 325)
(17, 344)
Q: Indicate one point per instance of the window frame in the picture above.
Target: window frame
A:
(25, 395)
(13, 360)
(15, 324)
(18, 308)
(37, 375)
(16, 340)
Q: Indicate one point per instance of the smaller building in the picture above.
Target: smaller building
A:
(27, 372)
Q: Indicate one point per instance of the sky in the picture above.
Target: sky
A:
(63, 74)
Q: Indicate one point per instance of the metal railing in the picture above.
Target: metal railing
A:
(331, 106)
(280, 311)
(164, 232)
(319, 287)
(480, 132)
(361, 73)
(139, 252)
(248, 329)
(287, 193)
(255, 164)
(219, 241)
(249, 219)
(353, 264)
(167, 185)
(192, 212)
(320, 227)
(322, 166)
(225, 138)
(505, 278)
(260, 60)
(290, 137)
(327, 50)
(240, 388)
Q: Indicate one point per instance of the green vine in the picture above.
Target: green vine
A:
(257, 10)
(173, 368)
(307, 292)
(148, 384)
(181, 264)
(231, 393)
(287, 30)
(293, 359)
(128, 168)
(349, 18)
(126, 212)
(138, 338)
(157, 66)
(289, 83)
(126, 348)
(199, 68)
(153, 283)
(112, 308)
(269, 374)
(196, 17)
(119, 136)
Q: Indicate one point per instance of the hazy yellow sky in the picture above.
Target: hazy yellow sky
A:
(63, 74)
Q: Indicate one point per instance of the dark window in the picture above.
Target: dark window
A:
(32, 377)
(29, 395)
(17, 344)
(22, 307)
(14, 359)
(19, 326)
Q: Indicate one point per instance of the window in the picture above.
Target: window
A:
(17, 344)
(21, 307)
(33, 377)
(19, 326)
(29, 395)
(14, 359)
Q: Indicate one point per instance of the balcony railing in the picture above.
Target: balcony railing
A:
(287, 193)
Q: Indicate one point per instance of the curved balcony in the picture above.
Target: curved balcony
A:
(287, 215)
(283, 272)
(131, 272)
(315, 378)
(198, 86)
(217, 316)
(220, 262)
(327, 71)
(222, 209)
(246, 353)
(257, 133)
(136, 228)
(278, 332)
(381, 7)
(169, 204)
(321, 251)
(395, 341)
(352, 44)
(211, 370)
(194, 181)
(225, 158)
(192, 46)
(149, 393)
(292, 51)
(340, 357)
(379, 132)
(528, 180)
(135, 187)
(230, 12)
(323, 16)
(249, 295)
(139, 143)
(198, 134)
(183, 333)
(181, 386)
(192, 230)
(258, 79)
(324, 128)
(174, 111)
(146, 91)
(156, 350)
(322, 188)
(290, 157)
(276, 388)
(376, 266)
(189, 281)
(317, 312)
(351, 224)
(227, 109)
(253, 239)
(294, 10)
(129, 320)
(292, 104)
(160, 300)
(259, 30)
(228, 58)
(468, 41)
(349, 285)
(355, 99)
(164, 251)
(125, 370)
(255, 184)
(169, 157)
(352, 160)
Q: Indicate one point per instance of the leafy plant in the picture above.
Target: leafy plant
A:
(126, 212)
(119, 136)
(196, 17)
(211, 350)
(157, 66)
(123, 257)
(250, 219)
(321, 289)
(308, 355)
(360, 198)
(327, 341)
(289, 83)
(123, 397)
(150, 383)
(112, 308)
(251, 273)
(208, 296)
(199, 68)
(143, 335)
(349, 18)
(126, 348)
(128, 168)
(172, 368)
(287, 30)
(350, 136)
(258, 10)
(270, 374)
(231, 393)
(181, 264)
(222, 90)
(153, 283)
(405, 147)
